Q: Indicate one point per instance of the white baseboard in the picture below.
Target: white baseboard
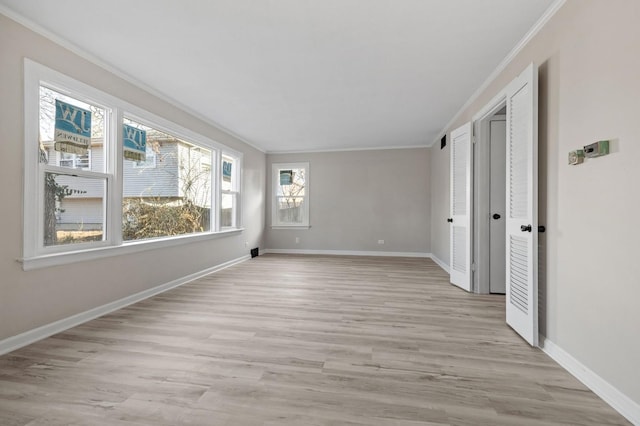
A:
(441, 264)
(611, 395)
(31, 336)
(349, 253)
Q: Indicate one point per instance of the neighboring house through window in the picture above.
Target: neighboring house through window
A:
(150, 160)
(168, 197)
(75, 161)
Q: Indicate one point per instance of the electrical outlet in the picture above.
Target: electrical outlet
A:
(380, 241)
(246, 243)
(297, 240)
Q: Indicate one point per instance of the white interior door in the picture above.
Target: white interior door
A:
(522, 205)
(460, 219)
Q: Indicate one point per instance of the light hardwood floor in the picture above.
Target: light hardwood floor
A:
(298, 340)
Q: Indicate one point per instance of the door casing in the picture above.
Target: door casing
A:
(527, 328)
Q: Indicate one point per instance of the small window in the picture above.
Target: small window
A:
(290, 195)
(229, 192)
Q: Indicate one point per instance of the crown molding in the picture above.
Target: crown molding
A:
(535, 29)
(38, 29)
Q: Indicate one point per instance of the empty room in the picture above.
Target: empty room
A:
(336, 212)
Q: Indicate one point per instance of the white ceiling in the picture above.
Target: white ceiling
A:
(298, 75)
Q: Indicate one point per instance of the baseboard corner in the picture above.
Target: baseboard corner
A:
(609, 393)
(440, 263)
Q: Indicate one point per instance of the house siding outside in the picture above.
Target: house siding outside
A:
(160, 179)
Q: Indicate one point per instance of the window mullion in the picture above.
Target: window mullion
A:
(114, 168)
(74, 172)
(38, 233)
(238, 191)
(216, 197)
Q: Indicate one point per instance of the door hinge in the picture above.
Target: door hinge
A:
(473, 266)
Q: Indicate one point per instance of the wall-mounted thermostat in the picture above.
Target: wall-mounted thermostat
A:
(576, 157)
(596, 149)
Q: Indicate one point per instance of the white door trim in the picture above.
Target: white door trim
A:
(478, 119)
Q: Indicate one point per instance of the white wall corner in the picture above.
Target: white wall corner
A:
(610, 394)
(28, 337)
(440, 263)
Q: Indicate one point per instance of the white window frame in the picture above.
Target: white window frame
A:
(275, 183)
(236, 184)
(35, 254)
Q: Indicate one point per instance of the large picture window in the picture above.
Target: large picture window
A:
(102, 174)
(290, 182)
(172, 198)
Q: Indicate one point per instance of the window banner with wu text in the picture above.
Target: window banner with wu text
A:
(135, 143)
(72, 129)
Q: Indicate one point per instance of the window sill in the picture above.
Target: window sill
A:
(55, 259)
(290, 227)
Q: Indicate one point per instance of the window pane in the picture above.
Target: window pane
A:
(60, 147)
(228, 174)
(172, 198)
(291, 182)
(290, 209)
(73, 209)
(227, 209)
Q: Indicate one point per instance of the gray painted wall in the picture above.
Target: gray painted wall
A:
(360, 197)
(590, 275)
(35, 298)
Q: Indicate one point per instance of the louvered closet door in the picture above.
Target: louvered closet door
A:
(460, 218)
(522, 205)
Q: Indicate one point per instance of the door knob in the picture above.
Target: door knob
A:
(450, 220)
(541, 228)
(496, 216)
(525, 228)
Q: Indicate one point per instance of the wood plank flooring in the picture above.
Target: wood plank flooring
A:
(298, 340)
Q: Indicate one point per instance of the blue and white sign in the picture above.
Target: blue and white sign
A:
(73, 129)
(226, 171)
(286, 177)
(135, 143)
